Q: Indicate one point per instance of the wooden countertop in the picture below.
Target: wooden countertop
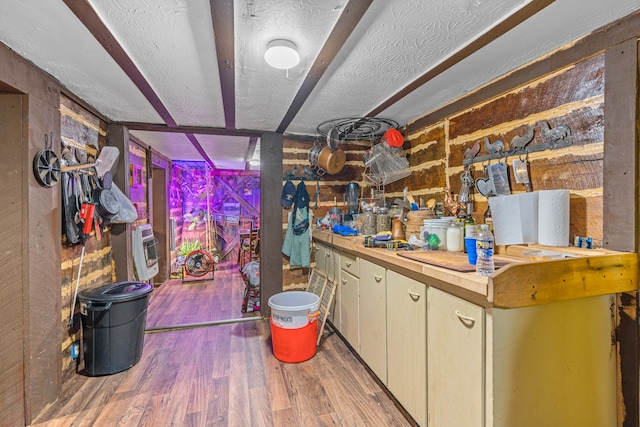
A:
(528, 281)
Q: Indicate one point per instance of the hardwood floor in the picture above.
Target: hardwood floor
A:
(225, 375)
(178, 302)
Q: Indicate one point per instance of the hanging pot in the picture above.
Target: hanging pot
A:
(314, 152)
(331, 161)
(106, 203)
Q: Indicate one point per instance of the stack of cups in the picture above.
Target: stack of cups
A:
(470, 242)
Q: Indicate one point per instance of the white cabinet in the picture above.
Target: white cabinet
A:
(372, 317)
(407, 343)
(327, 260)
(455, 373)
(452, 363)
(552, 365)
(349, 288)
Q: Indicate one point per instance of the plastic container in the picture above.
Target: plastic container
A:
(470, 249)
(455, 238)
(434, 233)
(484, 251)
(368, 222)
(294, 309)
(113, 322)
(383, 221)
(294, 345)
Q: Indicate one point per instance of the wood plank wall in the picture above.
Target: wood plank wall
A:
(81, 130)
(573, 96)
(295, 160)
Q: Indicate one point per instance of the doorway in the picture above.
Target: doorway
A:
(202, 216)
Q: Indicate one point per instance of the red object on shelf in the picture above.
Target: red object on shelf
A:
(393, 138)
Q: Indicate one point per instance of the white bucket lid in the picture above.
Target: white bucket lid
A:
(294, 301)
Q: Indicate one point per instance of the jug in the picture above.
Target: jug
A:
(397, 229)
(351, 197)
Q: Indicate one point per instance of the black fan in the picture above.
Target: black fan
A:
(46, 168)
(198, 263)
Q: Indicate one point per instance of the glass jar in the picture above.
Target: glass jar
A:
(368, 222)
(395, 212)
(383, 221)
(455, 237)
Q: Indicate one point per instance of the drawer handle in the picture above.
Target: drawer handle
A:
(378, 278)
(328, 254)
(466, 320)
(414, 295)
(348, 263)
(344, 281)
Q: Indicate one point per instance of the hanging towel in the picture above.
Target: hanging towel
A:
(297, 239)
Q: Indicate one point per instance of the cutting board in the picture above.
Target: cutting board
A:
(457, 261)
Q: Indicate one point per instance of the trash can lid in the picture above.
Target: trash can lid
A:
(120, 291)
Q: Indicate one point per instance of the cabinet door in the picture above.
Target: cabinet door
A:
(455, 331)
(372, 315)
(407, 344)
(349, 286)
(321, 255)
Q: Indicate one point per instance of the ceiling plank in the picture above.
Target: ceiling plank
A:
(196, 130)
(223, 34)
(196, 144)
(349, 19)
(90, 19)
(484, 39)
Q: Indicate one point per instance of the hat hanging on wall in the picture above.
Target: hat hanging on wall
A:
(288, 191)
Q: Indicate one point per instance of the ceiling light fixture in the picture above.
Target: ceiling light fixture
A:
(282, 54)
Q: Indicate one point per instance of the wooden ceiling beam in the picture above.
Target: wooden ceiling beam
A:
(196, 130)
(490, 35)
(223, 34)
(90, 19)
(349, 19)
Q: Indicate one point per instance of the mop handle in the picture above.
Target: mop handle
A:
(75, 292)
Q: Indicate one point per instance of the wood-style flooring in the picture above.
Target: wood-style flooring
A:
(224, 375)
(189, 301)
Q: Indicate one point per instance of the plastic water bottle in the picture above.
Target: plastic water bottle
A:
(484, 251)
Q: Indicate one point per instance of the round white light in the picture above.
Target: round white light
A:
(282, 54)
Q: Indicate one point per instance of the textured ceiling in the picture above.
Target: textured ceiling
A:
(189, 78)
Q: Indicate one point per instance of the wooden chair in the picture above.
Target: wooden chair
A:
(249, 246)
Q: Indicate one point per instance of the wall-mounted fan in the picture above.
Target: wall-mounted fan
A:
(198, 263)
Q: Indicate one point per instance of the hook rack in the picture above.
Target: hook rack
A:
(555, 138)
(292, 175)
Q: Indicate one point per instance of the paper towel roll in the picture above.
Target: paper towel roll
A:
(553, 217)
(515, 218)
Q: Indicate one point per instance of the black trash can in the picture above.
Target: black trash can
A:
(113, 322)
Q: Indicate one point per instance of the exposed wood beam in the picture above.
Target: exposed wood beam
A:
(90, 19)
(490, 35)
(349, 19)
(223, 33)
(592, 44)
(251, 149)
(196, 130)
(194, 141)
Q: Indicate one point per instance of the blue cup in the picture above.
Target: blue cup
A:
(470, 243)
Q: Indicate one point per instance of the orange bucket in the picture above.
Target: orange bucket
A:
(294, 345)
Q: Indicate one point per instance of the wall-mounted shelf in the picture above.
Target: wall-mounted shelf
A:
(556, 137)
(520, 152)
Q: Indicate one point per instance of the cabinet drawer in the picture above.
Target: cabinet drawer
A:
(350, 264)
